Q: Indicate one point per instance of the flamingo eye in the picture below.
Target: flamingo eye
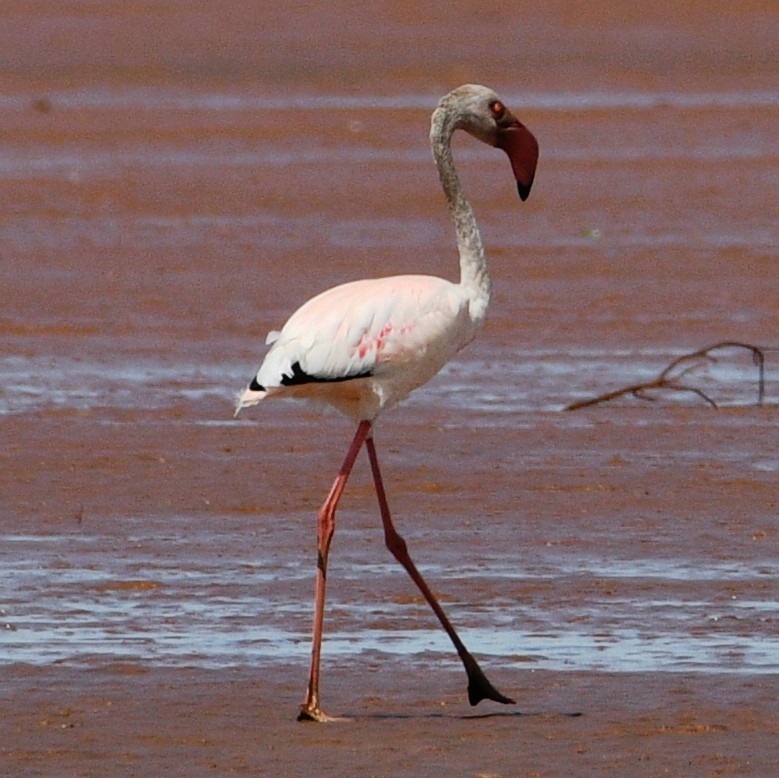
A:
(498, 109)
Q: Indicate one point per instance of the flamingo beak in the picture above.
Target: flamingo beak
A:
(522, 149)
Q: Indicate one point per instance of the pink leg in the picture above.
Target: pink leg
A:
(325, 526)
(479, 688)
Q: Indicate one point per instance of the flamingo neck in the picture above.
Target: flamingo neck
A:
(474, 273)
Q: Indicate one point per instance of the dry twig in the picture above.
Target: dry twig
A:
(671, 378)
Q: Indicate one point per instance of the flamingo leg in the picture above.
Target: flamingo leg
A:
(325, 527)
(479, 688)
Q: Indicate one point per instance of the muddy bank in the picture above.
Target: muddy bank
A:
(173, 182)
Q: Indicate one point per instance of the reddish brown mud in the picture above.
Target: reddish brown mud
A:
(175, 178)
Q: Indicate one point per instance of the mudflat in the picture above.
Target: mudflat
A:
(175, 180)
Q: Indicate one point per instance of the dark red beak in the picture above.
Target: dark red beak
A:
(522, 149)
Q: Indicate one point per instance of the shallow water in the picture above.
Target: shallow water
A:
(180, 596)
(530, 381)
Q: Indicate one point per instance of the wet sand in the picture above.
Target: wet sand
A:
(174, 181)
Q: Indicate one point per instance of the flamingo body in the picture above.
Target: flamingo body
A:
(363, 346)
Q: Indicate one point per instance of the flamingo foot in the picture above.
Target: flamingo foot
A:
(479, 688)
(310, 712)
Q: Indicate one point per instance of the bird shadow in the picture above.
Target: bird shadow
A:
(465, 716)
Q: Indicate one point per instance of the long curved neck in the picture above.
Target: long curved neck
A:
(474, 274)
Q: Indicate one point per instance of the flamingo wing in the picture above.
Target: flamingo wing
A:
(369, 328)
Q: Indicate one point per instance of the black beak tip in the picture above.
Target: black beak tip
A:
(524, 191)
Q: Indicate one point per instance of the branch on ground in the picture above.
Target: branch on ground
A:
(672, 378)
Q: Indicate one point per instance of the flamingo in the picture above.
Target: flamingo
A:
(363, 346)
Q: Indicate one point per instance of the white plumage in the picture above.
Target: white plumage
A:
(366, 344)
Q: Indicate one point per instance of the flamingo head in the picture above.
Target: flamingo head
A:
(481, 113)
